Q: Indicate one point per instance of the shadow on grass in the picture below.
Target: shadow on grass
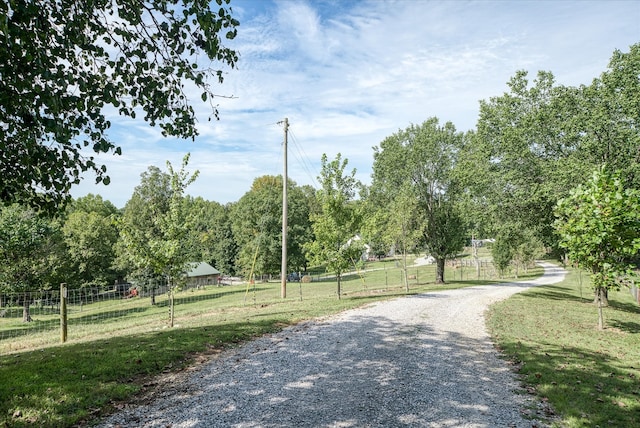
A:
(626, 326)
(62, 385)
(631, 308)
(552, 292)
(580, 384)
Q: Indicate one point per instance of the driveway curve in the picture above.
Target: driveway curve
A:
(417, 361)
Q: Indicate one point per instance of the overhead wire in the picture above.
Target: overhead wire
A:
(302, 157)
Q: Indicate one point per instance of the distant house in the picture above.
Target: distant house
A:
(201, 274)
(366, 249)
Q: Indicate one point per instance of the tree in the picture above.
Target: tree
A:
(338, 222)
(606, 120)
(515, 246)
(138, 226)
(210, 237)
(257, 226)
(599, 226)
(153, 239)
(521, 154)
(421, 160)
(31, 253)
(90, 233)
(539, 140)
(169, 257)
(394, 223)
(65, 65)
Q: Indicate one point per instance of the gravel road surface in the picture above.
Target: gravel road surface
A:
(418, 361)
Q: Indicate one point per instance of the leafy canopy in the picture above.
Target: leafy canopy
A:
(66, 65)
(336, 225)
(599, 226)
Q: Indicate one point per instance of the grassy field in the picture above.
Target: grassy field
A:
(590, 377)
(113, 356)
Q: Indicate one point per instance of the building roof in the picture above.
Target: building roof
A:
(201, 269)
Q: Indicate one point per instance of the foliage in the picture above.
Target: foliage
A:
(606, 120)
(155, 225)
(257, 226)
(420, 160)
(599, 226)
(32, 253)
(90, 233)
(138, 225)
(210, 237)
(336, 226)
(66, 65)
(539, 140)
(515, 247)
(393, 227)
(520, 151)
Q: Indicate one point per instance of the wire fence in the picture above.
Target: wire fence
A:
(31, 319)
(34, 319)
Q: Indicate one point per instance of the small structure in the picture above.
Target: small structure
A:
(202, 274)
(366, 249)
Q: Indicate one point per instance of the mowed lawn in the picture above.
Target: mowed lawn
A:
(590, 378)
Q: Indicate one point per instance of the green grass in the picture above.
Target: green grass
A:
(113, 360)
(591, 378)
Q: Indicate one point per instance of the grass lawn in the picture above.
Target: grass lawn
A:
(591, 378)
(114, 355)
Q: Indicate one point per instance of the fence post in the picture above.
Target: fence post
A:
(63, 312)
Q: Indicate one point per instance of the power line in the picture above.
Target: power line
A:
(304, 160)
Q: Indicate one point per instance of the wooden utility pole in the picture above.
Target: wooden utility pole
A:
(283, 270)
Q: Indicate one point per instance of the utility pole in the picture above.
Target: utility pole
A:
(283, 274)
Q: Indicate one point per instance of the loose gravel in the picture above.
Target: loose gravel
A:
(418, 361)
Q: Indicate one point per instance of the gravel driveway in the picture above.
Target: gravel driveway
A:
(418, 361)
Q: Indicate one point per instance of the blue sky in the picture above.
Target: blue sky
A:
(347, 74)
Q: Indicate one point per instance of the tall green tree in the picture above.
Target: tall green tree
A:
(539, 140)
(32, 253)
(599, 226)
(65, 63)
(170, 257)
(515, 247)
(338, 222)
(421, 160)
(605, 120)
(257, 226)
(90, 233)
(520, 150)
(211, 237)
(394, 225)
(139, 225)
(154, 241)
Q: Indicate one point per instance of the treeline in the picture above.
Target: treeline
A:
(434, 189)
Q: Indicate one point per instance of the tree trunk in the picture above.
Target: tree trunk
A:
(600, 292)
(26, 316)
(404, 270)
(601, 297)
(339, 277)
(153, 296)
(440, 270)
